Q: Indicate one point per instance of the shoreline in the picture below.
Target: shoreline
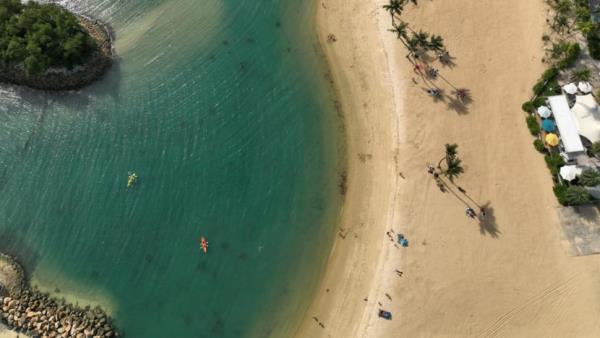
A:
(369, 108)
(28, 311)
(62, 79)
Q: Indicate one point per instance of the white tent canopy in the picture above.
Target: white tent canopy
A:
(566, 124)
(544, 112)
(584, 87)
(571, 88)
(569, 172)
(587, 117)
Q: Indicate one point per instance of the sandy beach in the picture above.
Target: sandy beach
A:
(508, 275)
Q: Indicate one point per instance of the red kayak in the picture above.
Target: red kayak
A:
(204, 244)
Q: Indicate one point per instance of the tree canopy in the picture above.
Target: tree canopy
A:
(41, 36)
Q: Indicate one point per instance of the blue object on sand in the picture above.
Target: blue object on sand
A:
(385, 314)
(404, 242)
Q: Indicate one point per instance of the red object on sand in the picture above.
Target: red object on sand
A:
(204, 244)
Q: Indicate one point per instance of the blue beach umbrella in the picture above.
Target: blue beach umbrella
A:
(548, 125)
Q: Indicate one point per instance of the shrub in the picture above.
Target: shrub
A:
(596, 148)
(581, 74)
(560, 191)
(552, 88)
(532, 124)
(571, 54)
(539, 87)
(539, 101)
(590, 178)
(593, 40)
(550, 74)
(576, 195)
(539, 145)
(554, 162)
(528, 107)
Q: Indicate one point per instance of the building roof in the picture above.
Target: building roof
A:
(569, 133)
(587, 117)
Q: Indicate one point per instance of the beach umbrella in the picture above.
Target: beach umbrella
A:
(569, 172)
(544, 112)
(552, 139)
(548, 125)
(571, 88)
(585, 87)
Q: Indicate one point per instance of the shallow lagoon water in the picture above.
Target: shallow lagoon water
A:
(222, 109)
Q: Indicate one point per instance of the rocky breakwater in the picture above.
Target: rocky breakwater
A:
(55, 79)
(36, 314)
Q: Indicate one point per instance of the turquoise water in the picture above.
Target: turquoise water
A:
(222, 109)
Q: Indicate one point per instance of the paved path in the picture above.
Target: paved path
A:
(581, 229)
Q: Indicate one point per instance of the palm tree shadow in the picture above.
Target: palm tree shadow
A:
(487, 223)
(448, 62)
(457, 105)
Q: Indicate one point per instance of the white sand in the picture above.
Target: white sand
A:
(458, 280)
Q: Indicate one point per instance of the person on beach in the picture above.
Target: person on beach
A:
(462, 190)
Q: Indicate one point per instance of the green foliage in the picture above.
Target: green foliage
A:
(539, 145)
(552, 88)
(596, 148)
(532, 124)
(41, 36)
(528, 107)
(571, 53)
(454, 168)
(554, 162)
(581, 74)
(576, 195)
(589, 178)
(539, 87)
(550, 74)
(539, 101)
(593, 40)
(560, 191)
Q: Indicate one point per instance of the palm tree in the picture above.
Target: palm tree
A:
(401, 32)
(436, 43)
(563, 7)
(395, 7)
(560, 23)
(451, 152)
(454, 168)
(590, 178)
(422, 39)
(576, 195)
(412, 45)
(581, 74)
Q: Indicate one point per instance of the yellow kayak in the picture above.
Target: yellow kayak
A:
(131, 179)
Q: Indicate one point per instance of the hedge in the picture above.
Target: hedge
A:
(532, 124)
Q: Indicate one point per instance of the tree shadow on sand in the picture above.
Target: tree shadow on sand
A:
(459, 101)
(487, 224)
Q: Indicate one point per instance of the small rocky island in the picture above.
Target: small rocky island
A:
(37, 315)
(45, 46)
